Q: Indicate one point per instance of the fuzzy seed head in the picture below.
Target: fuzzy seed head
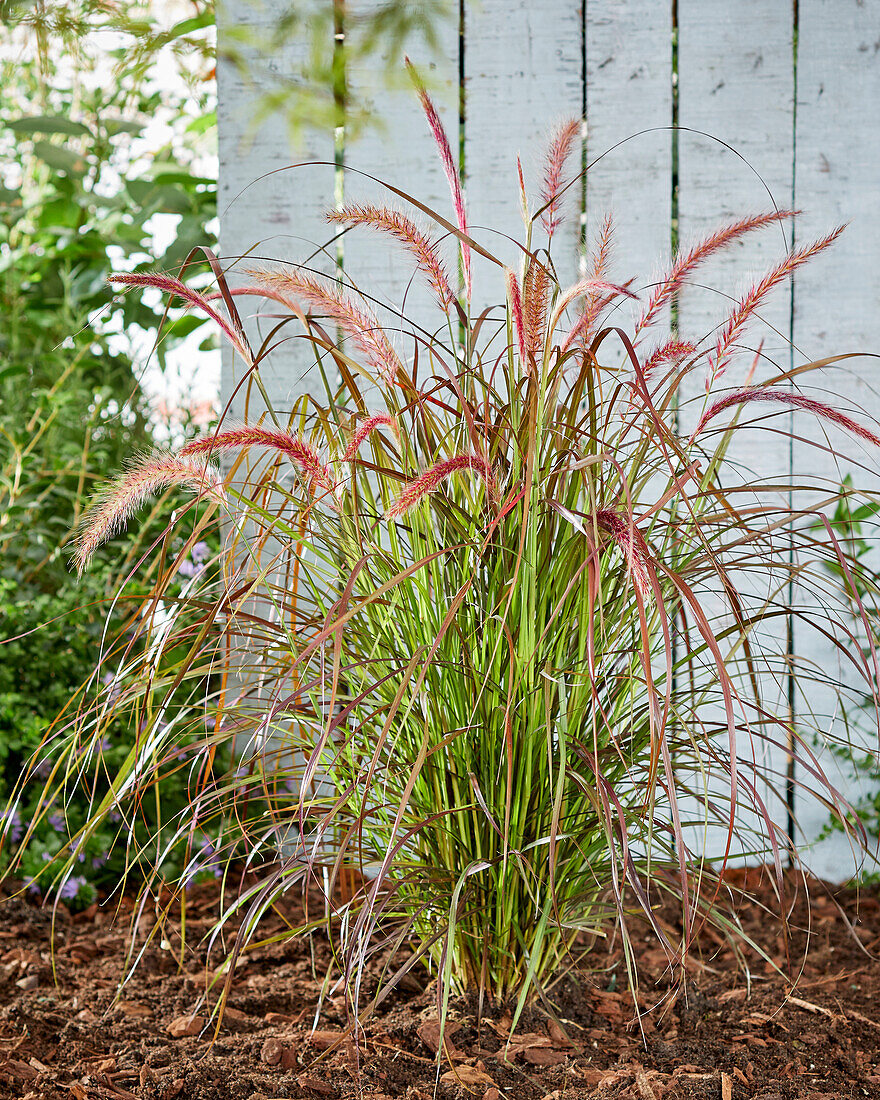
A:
(302, 454)
(146, 476)
(431, 479)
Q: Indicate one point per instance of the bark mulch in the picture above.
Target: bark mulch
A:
(70, 1033)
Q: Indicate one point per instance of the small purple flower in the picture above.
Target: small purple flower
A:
(98, 862)
(114, 816)
(186, 568)
(10, 822)
(199, 552)
(56, 820)
(114, 690)
(72, 887)
(45, 766)
(32, 888)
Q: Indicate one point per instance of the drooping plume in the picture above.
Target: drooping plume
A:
(449, 167)
(144, 476)
(560, 148)
(793, 400)
(750, 301)
(672, 352)
(302, 454)
(170, 285)
(591, 289)
(358, 322)
(431, 479)
(685, 262)
(404, 230)
(369, 425)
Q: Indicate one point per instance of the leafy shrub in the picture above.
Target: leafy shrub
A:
(491, 619)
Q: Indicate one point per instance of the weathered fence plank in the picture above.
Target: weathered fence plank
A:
(523, 66)
(629, 101)
(267, 213)
(400, 149)
(736, 102)
(837, 298)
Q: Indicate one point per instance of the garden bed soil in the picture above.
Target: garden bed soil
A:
(70, 1034)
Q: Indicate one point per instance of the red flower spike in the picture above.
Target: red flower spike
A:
(303, 455)
(145, 476)
(449, 167)
(368, 426)
(794, 400)
(431, 479)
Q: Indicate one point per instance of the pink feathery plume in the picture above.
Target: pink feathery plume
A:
(557, 154)
(449, 167)
(749, 303)
(514, 297)
(793, 400)
(404, 230)
(145, 476)
(685, 262)
(367, 427)
(583, 327)
(632, 544)
(432, 478)
(303, 455)
(673, 351)
(584, 288)
(523, 197)
(357, 321)
(603, 249)
(596, 302)
(170, 285)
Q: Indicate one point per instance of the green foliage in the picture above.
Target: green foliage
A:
(48, 656)
(499, 624)
(854, 523)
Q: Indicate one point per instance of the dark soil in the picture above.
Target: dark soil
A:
(73, 1035)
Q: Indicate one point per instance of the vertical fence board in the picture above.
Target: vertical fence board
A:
(399, 148)
(629, 90)
(837, 298)
(523, 69)
(268, 216)
(736, 83)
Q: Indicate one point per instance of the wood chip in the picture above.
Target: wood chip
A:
(271, 1051)
(726, 1087)
(808, 1006)
(324, 1040)
(429, 1033)
(185, 1025)
(542, 1056)
(467, 1075)
(315, 1084)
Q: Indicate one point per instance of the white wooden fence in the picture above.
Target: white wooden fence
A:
(771, 99)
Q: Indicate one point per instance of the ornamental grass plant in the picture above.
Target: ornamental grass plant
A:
(492, 627)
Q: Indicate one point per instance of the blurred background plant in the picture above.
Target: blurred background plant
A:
(106, 161)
